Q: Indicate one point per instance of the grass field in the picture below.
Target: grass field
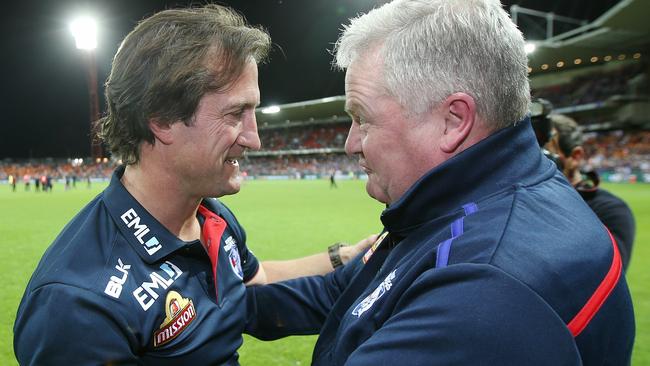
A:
(283, 220)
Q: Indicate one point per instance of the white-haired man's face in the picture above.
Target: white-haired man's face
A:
(394, 149)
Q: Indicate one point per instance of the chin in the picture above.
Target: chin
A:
(376, 193)
(233, 186)
(224, 188)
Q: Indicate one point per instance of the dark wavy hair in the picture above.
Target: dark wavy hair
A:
(166, 64)
(569, 132)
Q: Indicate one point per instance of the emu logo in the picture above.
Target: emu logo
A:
(131, 219)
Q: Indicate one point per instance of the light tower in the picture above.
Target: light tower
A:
(84, 30)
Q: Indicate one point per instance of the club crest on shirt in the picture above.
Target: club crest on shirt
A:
(179, 314)
(370, 300)
(233, 256)
(374, 247)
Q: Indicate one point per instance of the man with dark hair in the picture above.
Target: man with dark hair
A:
(489, 256)
(566, 141)
(152, 271)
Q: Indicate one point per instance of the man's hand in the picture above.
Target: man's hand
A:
(317, 264)
(348, 252)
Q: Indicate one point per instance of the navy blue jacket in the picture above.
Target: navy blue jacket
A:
(492, 258)
(117, 287)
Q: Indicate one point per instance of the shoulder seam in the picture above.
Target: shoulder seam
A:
(505, 226)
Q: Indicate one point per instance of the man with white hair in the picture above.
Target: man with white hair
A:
(489, 256)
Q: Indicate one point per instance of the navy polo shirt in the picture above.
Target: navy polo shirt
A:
(117, 287)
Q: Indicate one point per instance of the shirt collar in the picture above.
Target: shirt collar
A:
(510, 156)
(148, 237)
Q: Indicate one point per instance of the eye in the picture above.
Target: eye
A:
(358, 119)
(237, 113)
(363, 121)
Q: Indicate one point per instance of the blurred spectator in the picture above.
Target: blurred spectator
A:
(567, 143)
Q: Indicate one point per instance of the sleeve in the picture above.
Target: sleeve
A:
(65, 325)
(249, 262)
(473, 316)
(298, 306)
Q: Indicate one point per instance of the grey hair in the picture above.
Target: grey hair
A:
(434, 48)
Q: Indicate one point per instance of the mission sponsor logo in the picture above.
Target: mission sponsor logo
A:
(132, 221)
(179, 314)
(370, 300)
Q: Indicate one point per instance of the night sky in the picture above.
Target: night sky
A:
(44, 99)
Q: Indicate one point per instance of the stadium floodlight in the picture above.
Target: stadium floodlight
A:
(84, 31)
(529, 48)
(271, 109)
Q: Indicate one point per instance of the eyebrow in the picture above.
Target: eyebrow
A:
(353, 108)
(242, 105)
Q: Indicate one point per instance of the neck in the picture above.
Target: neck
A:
(159, 193)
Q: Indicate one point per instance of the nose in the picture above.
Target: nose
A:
(249, 137)
(353, 141)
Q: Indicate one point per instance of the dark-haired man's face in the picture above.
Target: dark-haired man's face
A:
(206, 154)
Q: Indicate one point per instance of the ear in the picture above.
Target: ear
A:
(459, 111)
(162, 132)
(578, 153)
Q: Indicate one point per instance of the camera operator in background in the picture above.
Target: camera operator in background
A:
(561, 140)
(566, 141)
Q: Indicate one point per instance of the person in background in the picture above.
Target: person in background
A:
(153, 270)
(12, 182)
(566, 141)
(333, 179)
(488, 256)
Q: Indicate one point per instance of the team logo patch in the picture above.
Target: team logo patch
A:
(374, 247)
(370, 300)
(233, 256)
(179, 313)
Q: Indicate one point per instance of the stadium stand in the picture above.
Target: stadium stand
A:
(596, 86)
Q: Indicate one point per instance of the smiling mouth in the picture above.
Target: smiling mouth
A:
(232, 162)
(364, 167)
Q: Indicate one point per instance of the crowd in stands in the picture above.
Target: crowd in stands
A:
(595, 86)
(300, 166)
(39, 175)
(615, 151)
(306, 137)
(618, 151)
